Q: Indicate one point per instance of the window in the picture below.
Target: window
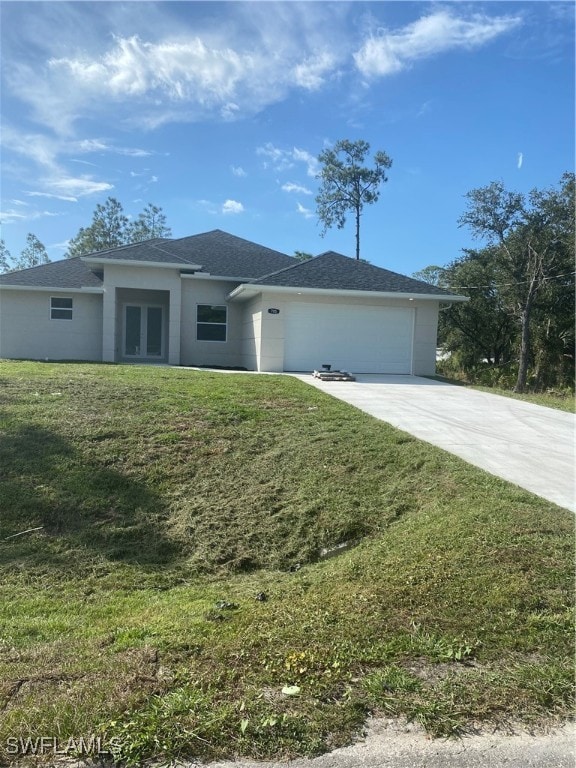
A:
(60, 309)
(211, 323)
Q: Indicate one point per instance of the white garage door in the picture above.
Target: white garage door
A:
(352, 338)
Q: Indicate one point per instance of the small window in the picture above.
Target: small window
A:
(211, 323)
(60, 309)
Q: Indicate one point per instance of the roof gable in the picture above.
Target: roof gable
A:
(223, 254)
(218, 253)
(333, 271)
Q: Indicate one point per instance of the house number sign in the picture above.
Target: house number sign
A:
(273, 311)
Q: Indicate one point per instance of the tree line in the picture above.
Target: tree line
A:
(517, 330)
(110, 228)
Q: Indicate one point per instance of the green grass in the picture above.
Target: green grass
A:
(167, 501)
(561, 400)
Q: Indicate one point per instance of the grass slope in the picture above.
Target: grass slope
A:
(561, 400)
(169, 501)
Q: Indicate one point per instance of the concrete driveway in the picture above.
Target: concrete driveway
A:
(527, 444)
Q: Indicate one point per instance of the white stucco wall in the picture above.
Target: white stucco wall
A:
(263, 335)
(251, 333)
(271, 356)
(425, 338)
(28, 332)
(221, 353)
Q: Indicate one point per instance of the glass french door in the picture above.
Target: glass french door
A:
(143, 330)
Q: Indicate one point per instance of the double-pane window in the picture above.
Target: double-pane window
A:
(60, 309)
(211, 322)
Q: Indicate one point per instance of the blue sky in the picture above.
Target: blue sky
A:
(217, 111)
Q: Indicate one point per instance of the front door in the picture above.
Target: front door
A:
(143, 331)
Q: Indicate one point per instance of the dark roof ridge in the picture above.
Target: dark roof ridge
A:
(383, 269)
(121, 247)
(303, 262)
(199, 234)
(229, 234)
(284, 269)
(332, 270)
(172, 255)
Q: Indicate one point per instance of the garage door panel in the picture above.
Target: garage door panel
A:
(358, 339)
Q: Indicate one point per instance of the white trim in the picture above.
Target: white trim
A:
(412, 335)
(50, 289)
(253, 290)
(208, 276)
(136, 263)
(65, 309)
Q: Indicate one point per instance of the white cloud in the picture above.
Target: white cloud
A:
(284, 159)
(312, 164)
(71, 188)
(12, 216)
(98, 145)
(311, 73)
(189, 76)
(291, 187)
(237, 170)
(278, 159)
(520, 160)
(83, 162)
(389, 52)
(54, 181)
(166, 65)
(232, 206)
(100, 60)
(306, 212)
(53, 196)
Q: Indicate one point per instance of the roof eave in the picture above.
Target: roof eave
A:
(209, 276)
(94, 260)
(52, 288)
(246, 291)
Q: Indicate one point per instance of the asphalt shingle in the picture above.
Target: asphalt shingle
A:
(229, 256)
(334, 271)
(217, 252)
(69, 273)
(222, 254)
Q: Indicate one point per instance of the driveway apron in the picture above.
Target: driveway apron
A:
(529, 445)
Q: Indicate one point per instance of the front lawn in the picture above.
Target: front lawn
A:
(171, 585)
(561, 400)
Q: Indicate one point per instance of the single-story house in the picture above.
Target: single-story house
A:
(214, 299)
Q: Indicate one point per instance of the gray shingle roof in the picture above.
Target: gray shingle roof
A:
(219, 253)
(155, 251)
(222, 254)
(332, 270)
(69, 273)
(227, 255)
